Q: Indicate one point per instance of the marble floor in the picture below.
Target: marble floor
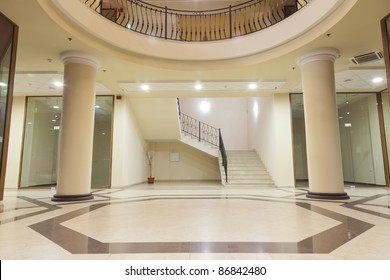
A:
(196, 220)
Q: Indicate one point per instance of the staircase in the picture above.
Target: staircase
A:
(205, 147)
(245, 168)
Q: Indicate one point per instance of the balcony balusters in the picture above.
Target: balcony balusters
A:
(196, 26)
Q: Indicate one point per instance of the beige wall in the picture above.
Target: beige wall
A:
(158, 117)
(269, 130)
(15, 143)
(129, 147)
(191, 165)
(228, 114)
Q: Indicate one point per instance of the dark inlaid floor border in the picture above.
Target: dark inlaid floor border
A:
(355, 206)
(321, 243)
(47, 208)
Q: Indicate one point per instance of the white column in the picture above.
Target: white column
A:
(77, 125)
(321, 123)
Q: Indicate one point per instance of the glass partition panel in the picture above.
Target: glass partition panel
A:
(42, 125)
(299, 139)
(360, 138)
(39, 164)
(4, 78)
(386, 117)
(101, 166)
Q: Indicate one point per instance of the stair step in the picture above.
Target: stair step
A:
(245, 168)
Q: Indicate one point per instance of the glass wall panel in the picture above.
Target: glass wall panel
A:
(360, 138)
(7, 33)
(8, 42)
(101, 167)
(299, 139)
(39, 164)
(42, 125)
(4, 79)
(386, 117)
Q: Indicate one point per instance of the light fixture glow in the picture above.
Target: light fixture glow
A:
(3, 84)
(56, 127)
(377, 80)
(256, 109)
(145, 87)
(58, 84)
(56, 107)
(205, 106)
(252, 86)
(97, 106)
(348, 125)
(198, 86)
(53, 120)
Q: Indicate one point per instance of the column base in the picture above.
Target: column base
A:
(327, 195)
(76, 197)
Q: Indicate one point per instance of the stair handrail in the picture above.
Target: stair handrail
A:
(196, 25)
(200, 130)
(223, 155)
(203, 132)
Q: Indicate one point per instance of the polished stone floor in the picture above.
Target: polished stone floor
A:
(196, 220)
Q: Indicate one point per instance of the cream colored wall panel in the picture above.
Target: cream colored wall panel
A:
(15, 142)
(158, 118)
(129, 147)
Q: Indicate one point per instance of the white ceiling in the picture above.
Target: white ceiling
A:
(235, 86)
(44, 83)
(41, 41)
(357, 79)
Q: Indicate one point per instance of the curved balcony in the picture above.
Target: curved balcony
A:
(196, 26)
(83, 22)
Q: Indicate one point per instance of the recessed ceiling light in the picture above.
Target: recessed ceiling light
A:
(56, 107)
(58, 84)
(252, 86)
(198, 86)
(145, 87)
(377, 80)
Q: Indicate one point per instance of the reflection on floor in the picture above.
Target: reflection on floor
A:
(196, 220)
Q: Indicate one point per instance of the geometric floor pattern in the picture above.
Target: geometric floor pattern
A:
(196, 220)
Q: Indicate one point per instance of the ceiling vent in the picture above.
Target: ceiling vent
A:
(367, 57)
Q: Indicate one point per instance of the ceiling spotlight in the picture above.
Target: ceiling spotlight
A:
(145, 87)
(58, 84)
(377, 80)
(56, 107)
(252, 86)
(198, 86)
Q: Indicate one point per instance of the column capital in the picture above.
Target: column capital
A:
(79, 57)
(327, 54)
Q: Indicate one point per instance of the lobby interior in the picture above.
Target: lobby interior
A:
(189, 213)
